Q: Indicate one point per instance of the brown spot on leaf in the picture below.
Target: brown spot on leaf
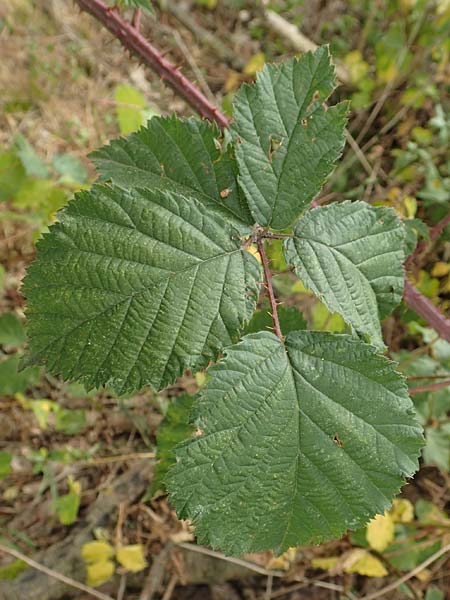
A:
(337, 441)
(274, 145)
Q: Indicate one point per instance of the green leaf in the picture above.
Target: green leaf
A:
(287, 141)
(12, 175)
(12, 570)
(129, 107)
(132, 557)
(174, 428)
(295, 443)
(434, 593)
(11, 330)
(413, 229)
(11, 380)
(290, 320)
(132, 288)
(405, 553)
(5, 464)
(70, 422)
(31, 162)
(351, 256)
(67, 506)
(71, 169)
(437, 449)
(180, 155)
(145, 4)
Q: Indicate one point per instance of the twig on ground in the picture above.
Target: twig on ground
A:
(392, 82)
(170, 587)
(299, 41)
(188, 55)
(410, 575)
(269, 586)
(119, 525)
(105, 460)
(54, 574)
(122, 587)
(204, 37)
(237, 561)
(156, 573)
(361, 156)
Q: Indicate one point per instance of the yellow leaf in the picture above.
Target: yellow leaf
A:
(283, 562)
(326, 564)
(253, 250)
(255, 64)
(99, 572)
(132, 557)
(94, 552)
(74, 486)
(410, 204)
(357, 67)
(442, 6)
(233, 81)
(440, 269)
(424, 575)
(42, 410)
(364, 563)
(380, 532)
(388, 73)
(402, 511)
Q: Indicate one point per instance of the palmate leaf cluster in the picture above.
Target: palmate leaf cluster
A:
(151, 273)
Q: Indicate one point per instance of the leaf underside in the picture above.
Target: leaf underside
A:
(180, 155)
(133, 288)
(297, 444)
(351, 255)
(287, 141)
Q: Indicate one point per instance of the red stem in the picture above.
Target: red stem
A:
(269, 286)
(427, 310)
(439, 227)
(133, 41)
(430, 387)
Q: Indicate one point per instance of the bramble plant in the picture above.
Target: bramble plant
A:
(153, 272)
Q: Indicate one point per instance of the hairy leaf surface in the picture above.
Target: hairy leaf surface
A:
(298, 443)
(180, 155)
(133, 288)
(287, 141)
(351, 255)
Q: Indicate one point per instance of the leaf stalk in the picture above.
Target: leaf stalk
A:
(269, 287)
